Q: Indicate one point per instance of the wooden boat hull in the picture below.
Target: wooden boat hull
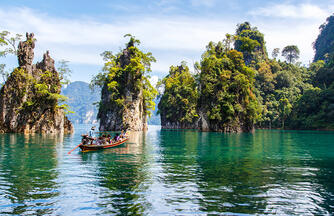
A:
(88, 147)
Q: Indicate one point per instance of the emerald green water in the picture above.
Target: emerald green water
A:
(165, 172)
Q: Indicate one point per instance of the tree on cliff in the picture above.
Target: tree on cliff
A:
(314, 109)
(9, 43)
(324, 44)
(291, 53)
(275, 53)
(125, 82)
(64, 72)
(178, 103)
(227, 85)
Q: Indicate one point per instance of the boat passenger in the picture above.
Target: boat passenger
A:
(104, 138)
(98, 141)
(108, 139)
(116, 138)
(91, 135)
(91, 132)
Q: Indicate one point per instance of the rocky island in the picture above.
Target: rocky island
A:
(30, 98)
(127, 95)
(221, 99)
(219, 96)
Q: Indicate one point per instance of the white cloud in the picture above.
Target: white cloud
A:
(303, 11)
(81, 41)
(154, 80)
(170, 39)
(279, 35)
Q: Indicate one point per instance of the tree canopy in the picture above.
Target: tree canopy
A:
(250, 41)
(8, 43)
(291, 53)
(268, 92)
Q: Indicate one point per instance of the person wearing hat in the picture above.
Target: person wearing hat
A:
(91, 132)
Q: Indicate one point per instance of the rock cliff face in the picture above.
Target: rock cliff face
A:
(29, 98)
(203, 124)
(234, 127)
(130, 117)
(177, 125)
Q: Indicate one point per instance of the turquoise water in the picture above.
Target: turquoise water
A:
(165, 172)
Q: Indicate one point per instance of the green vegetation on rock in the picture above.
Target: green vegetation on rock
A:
(324, 44)
(124, 82)
(226, 90)
(250, 41)
(178, 104)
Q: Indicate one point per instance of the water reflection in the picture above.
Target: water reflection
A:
(166, 172)
(259, 175)
(28, 173)
(122, 173)
(267, 172)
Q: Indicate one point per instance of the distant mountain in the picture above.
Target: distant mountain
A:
(81, 99)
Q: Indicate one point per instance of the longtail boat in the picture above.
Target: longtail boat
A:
(90, 144)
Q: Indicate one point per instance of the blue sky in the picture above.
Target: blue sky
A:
(173, 30)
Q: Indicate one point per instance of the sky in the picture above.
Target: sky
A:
(173, 30)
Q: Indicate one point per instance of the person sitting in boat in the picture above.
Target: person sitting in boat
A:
(104, 139)
(116, 137)
(98, 141)
(123, 134)
(85, 139)
(108, 139)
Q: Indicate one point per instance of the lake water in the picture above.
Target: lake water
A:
(166, 172)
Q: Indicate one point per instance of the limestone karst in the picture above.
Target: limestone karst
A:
(30, 98)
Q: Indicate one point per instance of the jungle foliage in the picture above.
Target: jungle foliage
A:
(227, 87)
(250, 41)
(314, 109)
(244, 83)
(43, 92)
(223, 90)
(179, 101)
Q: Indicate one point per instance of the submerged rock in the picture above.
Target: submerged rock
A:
(29, 100)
